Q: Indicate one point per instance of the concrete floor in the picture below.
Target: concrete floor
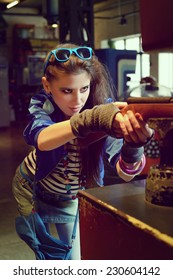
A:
(12, 151)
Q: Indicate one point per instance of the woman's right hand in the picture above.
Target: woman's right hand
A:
(132, 128)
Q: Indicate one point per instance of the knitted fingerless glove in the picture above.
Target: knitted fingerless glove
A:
(99, 118)
(131, 154)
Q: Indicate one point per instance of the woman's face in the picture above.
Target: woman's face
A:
(70, 92)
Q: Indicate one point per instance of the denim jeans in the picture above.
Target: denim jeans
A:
(62, 215)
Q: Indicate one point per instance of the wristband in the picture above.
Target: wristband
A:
(99, 118)
(141, 144)
(131, 154)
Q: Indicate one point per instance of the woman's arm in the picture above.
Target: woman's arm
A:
(44, 133)
(55, 136)
(94, 120)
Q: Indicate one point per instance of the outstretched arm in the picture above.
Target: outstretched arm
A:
(103, 118)
(55, 135)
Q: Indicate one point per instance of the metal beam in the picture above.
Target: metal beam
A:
(76, 22)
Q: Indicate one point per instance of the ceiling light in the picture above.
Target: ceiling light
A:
(12, 4)
(54, 25)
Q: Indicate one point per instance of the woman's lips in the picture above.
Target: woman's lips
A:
(75, 109)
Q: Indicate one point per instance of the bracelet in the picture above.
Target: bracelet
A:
(132, 171)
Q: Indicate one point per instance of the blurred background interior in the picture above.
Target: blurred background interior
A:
(134, 38)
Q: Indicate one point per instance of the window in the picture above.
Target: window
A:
(165, 65)
(142, 60)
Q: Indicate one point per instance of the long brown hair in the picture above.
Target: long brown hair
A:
(101, 89)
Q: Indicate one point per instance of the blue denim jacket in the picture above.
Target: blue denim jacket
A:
(44, 112)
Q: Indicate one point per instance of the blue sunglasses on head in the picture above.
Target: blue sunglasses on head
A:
(63, 54)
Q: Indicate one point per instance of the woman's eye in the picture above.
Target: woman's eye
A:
(84, 89)
(67, 90)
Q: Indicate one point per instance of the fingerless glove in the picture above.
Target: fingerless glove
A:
(131, 154)
(99, 118)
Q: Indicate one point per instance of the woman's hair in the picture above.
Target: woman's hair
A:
(101, 88)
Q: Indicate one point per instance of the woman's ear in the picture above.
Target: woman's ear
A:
(46, 85)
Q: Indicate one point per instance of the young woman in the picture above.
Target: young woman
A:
(74, 108)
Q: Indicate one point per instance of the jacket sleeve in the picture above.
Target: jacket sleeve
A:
(40, 110)
(113, 148)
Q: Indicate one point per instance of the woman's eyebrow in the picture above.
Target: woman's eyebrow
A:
(65, 88)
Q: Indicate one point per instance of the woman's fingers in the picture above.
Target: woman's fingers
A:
(144, 126)
(120, 105)
(130, 123)
(120, 126)
(131, 127)
(141, 128)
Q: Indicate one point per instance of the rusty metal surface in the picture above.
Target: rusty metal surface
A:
(130, 199)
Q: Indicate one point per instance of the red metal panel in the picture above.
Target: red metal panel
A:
(156, 24)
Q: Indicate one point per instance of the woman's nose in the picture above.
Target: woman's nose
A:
(76, 97)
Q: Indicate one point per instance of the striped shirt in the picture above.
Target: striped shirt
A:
(64, 178)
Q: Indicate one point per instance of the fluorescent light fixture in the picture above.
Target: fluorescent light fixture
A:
(54, 25)
(12, 4)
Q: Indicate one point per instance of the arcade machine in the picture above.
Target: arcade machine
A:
(134, 220)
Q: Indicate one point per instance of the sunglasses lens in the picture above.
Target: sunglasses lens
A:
(84, 53)
(63, 55)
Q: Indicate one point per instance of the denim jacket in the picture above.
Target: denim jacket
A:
(44, 112)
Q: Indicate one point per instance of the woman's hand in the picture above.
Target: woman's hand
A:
(132, 127)
(120, 104)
